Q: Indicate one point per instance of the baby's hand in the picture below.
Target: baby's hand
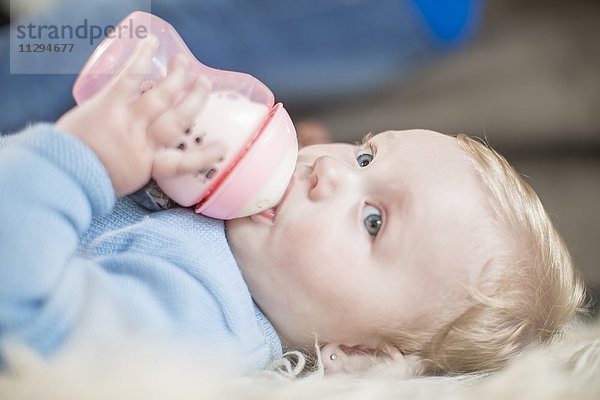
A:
(139, 136)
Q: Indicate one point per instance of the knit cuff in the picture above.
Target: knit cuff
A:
(75, 158)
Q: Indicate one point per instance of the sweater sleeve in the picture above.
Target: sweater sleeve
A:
(52, 185)
(169, 275)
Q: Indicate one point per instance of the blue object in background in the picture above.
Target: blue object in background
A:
(307, 51)
(452, 22)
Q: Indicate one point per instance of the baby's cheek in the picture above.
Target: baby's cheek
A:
(316, 270)
(312, 246)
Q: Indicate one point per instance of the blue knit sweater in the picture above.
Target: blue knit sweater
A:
(76, 266)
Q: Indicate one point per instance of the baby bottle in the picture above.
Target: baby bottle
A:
(240, 111)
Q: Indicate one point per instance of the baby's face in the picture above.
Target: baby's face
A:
(371, 236)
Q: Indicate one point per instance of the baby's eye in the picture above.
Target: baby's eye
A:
(372, 220)
(364, 157)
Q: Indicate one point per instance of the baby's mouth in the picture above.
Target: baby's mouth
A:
(269, 215)
(265, 217)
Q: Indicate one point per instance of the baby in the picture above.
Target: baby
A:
(413, 246)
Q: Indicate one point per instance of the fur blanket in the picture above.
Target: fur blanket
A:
(568, 369)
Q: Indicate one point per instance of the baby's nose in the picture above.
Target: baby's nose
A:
(328, 176)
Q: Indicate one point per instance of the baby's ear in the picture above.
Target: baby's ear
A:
(338, 358)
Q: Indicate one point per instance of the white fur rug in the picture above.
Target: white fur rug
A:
(570, 369)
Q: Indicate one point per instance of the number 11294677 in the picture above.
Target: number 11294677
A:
(46, 47)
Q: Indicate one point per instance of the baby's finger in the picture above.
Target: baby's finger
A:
(166, 93)
(127, 82)
(169, 163)
(191, 105)
(175, 128)
(167, 131)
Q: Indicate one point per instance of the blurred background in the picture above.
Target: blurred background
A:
(523, 74)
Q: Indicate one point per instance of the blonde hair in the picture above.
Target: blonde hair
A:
(533, 291)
